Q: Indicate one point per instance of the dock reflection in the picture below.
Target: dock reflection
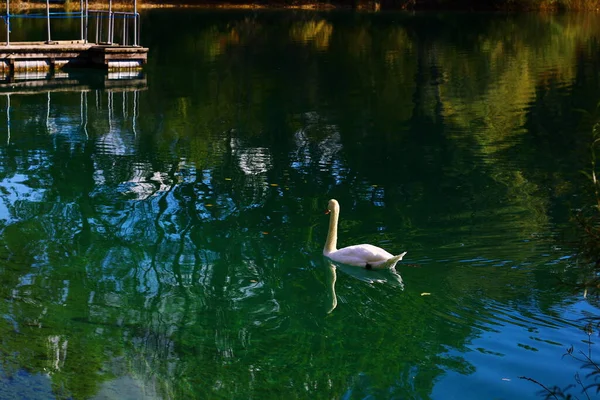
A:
(32, 82)
(113, 96)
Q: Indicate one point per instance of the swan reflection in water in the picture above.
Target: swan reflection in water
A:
(388, 276)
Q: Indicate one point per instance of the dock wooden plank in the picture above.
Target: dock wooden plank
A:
(18, 55)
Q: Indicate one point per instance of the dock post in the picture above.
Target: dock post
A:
(87, 22)
(81, 17)
(135, 17)
(110, 22)
(98, 28)
(48, 19)
(7, 23)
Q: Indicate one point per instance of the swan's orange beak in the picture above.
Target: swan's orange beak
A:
(327, 212)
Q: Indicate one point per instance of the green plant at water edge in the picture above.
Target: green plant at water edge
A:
(587, 363)
(588, 222)
(588, 218)
(592, 175)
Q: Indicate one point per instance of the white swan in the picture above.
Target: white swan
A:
(361, 255)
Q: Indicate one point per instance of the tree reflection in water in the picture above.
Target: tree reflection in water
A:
(170, 238)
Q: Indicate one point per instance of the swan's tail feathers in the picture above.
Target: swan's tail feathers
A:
(391, 263)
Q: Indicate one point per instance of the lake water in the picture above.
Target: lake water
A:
(161, 237)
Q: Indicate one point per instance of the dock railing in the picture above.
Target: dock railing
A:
(103, 23)
(108, 26)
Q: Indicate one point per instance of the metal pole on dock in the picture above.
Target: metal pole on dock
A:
(87, 21)
(81, 17)
(48, 19)
(110, 22)
(98, 28)
(7, 23)
(135, 17)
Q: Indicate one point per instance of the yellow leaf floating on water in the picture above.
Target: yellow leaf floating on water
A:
(227, 179)
(274, 184)
(425, 294)
(208, 205)
(265, 233)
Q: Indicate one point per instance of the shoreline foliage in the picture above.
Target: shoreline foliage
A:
(363, 5)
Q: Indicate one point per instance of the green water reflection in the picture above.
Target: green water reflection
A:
(164, 240)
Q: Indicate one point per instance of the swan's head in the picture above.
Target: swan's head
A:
(332, 206)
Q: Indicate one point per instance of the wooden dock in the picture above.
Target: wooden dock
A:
(41, 56)
(107, 39)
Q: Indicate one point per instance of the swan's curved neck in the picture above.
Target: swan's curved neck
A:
(331, 243)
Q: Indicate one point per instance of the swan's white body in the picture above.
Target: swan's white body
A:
(361, 255)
